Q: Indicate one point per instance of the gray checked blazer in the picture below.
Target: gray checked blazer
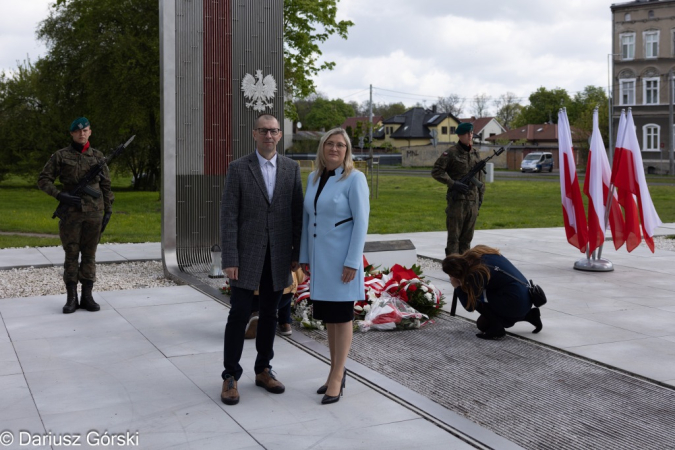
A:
(249, 222)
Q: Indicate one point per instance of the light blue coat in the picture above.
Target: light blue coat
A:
(334, 234)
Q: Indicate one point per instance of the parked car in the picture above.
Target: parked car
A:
(537, 162)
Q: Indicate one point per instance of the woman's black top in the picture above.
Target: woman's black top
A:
(322, 182)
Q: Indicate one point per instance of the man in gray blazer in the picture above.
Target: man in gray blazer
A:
(261, 224)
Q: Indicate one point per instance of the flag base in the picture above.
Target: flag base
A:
(594, 265)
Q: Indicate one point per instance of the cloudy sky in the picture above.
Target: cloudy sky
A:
(423, 49)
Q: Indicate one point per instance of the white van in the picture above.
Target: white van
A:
(537, 162)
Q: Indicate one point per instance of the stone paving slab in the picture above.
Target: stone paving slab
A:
(151, 364)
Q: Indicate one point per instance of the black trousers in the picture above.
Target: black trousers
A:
(489, 321)
(240, 311)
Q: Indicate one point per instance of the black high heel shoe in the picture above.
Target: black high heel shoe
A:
(492, 335)
(534, 317)
(322, 389)
(327, 399)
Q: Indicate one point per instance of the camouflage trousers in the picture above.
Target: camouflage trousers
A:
(80, 233)
(460, 221)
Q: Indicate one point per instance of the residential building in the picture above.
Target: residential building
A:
(643, 55)
(416, 128)
(534, 138)
(484, 127)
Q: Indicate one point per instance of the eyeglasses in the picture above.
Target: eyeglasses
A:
(264, 131)
(339, 145)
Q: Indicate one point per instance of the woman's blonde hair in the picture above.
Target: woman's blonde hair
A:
(470, 271)
(347, 164)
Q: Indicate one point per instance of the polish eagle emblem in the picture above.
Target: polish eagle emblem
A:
(259, 92)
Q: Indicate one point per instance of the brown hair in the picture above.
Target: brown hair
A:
(347, 164)
(470, 271)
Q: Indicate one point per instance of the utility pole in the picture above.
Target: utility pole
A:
(610, 102)
(370, 124)
(671, 170)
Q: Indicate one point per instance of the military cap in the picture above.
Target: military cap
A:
(463, 128)
(79, 124)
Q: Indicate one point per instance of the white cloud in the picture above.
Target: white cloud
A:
(18, 22)
(481, 47)
(426, 47)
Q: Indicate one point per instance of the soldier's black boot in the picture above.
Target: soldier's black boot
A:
(71, 303)
(87, 301)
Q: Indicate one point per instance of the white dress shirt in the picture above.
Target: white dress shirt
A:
(269, 172)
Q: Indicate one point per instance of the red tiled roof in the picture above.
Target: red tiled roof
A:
(534, 132)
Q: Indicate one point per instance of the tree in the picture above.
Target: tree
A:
(580, 114)
(103, 62)
(25, 105)
(327, 114)
(304, 105)
(302, 19)
(543, 107)
(358, 112)
(388, 110)
(480, 106)
(508, 109)
(452, 104)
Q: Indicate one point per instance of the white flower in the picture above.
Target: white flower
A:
(358, 308)
(425, 289)
(428, 296)
(366, 308)
(372, 295)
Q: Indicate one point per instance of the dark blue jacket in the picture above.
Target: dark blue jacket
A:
(506, 297)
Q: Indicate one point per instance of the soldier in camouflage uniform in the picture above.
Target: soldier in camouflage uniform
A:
(464, 200)
(87, 216)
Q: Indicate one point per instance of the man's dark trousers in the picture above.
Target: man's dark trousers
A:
(240, 312)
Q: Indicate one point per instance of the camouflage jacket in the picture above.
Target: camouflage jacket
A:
(69, 165)
(452, 165)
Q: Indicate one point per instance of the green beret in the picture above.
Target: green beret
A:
(79, 124)
(464, 128)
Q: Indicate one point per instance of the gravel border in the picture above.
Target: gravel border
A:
(32, 282)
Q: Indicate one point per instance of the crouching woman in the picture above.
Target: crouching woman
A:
(487, 282)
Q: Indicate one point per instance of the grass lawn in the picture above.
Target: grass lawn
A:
(404, 204)
(26, 209)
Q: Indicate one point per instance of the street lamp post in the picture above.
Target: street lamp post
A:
(610, 100)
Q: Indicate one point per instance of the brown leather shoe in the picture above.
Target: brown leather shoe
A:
(285, 329)
(251, 327)
(267, 380)
(230, 394)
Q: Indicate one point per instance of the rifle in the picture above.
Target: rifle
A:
(470, 177)
(83, 185)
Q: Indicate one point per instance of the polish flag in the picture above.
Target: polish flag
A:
(626, 199)
(572, 205)
(596, 188)
(629, 175)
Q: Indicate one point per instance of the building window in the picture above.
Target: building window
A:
(626, 17)
(627, 92)
(444, 130)
(650, 15)
(452, 130)
(628, 46)
(651, 138)
(651, 44)
(651, 91)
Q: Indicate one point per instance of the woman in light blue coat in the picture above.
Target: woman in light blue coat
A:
(334, 228)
